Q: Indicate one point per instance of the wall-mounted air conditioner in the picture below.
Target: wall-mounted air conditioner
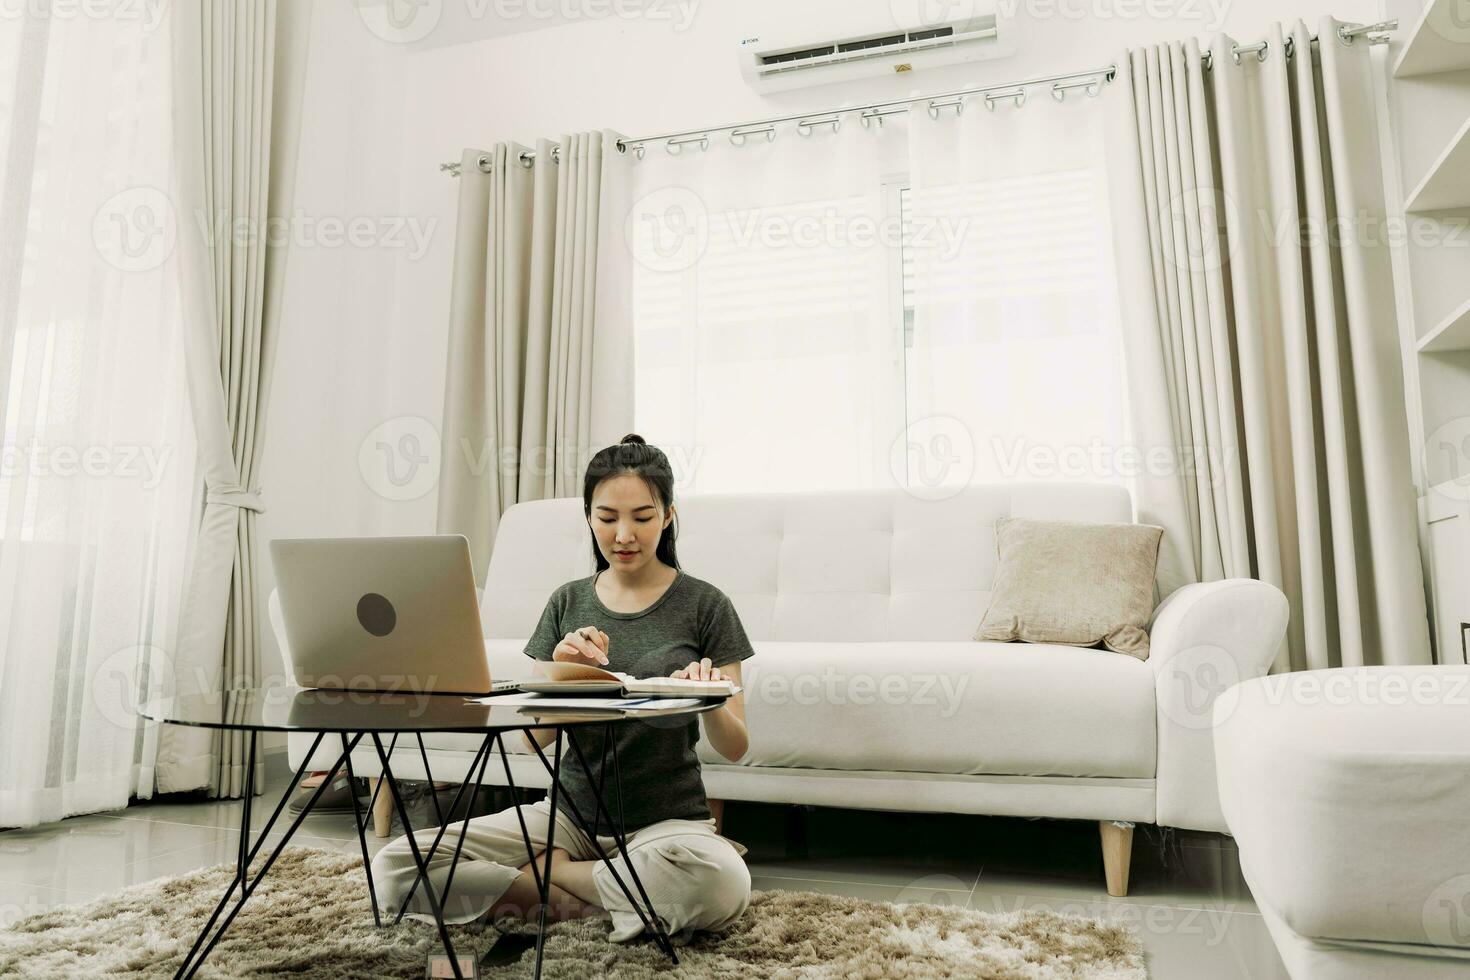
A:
(809, 48)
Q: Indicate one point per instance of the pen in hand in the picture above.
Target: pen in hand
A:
(586, 645)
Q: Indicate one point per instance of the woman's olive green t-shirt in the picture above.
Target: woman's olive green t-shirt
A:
(659, 770)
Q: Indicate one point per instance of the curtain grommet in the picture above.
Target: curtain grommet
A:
(676, 145)
(1017, 97)
(1058, 93)
(804, 127)
(739, 134)
(933, 111)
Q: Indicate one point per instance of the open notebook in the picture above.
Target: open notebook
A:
(578, 679)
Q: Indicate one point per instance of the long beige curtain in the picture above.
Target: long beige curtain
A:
(1257, 288)
(540, 365)
(236, 143)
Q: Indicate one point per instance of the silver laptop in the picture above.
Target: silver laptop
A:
(382, 614)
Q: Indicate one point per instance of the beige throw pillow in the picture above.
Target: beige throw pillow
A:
(1078, 584)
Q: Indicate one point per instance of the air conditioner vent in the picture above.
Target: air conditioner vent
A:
(828, 48)
(786, 57)
(872, 42)
(928, 35)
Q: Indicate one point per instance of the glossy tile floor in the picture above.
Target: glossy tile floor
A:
(1187, 899)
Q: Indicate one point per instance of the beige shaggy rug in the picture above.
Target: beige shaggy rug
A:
(310, 919)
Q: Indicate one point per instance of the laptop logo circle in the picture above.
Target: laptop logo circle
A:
(376, 614)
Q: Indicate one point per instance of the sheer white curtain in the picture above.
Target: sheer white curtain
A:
(924, 302)
(97, 477)
(1015, 355)
(764, 296)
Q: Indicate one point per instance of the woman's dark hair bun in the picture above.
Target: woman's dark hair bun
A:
(633, 437)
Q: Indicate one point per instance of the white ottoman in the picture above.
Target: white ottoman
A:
(1348, 793)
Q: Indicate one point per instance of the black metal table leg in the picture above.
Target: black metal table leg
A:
(418, 859)
(367, 862)
(602, 855)
(429, 778)
(465, 823)
(545, 882)
(191, 963)
(249, 796)
(239, 878)
(378, 788)
(520, 818)
(650, 919)
(443, 827)
(620, 832)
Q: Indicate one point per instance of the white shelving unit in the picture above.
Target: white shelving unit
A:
(1446, 184)
(1450, 334)
(1436, 44)
(1429, 100)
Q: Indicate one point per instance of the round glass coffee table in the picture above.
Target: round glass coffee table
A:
(352, 716)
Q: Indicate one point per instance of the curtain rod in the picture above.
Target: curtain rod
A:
(1090, 81)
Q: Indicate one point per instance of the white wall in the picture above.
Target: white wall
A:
(364, 326)
(333, 369)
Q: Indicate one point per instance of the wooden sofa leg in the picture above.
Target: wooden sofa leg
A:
(382, 808)
(1117, 848)
(717, 810)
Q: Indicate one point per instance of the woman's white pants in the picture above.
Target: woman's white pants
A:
(694, 877)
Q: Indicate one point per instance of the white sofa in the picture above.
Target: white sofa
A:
(867, 691)
(1349, 794)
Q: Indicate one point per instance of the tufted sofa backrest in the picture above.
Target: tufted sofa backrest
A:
(848, 566)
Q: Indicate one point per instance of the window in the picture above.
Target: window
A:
(846, 315)
(1011, 342)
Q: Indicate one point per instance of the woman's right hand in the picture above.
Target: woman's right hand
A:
(587, 645)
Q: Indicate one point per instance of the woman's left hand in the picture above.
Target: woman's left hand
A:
(699, 671)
